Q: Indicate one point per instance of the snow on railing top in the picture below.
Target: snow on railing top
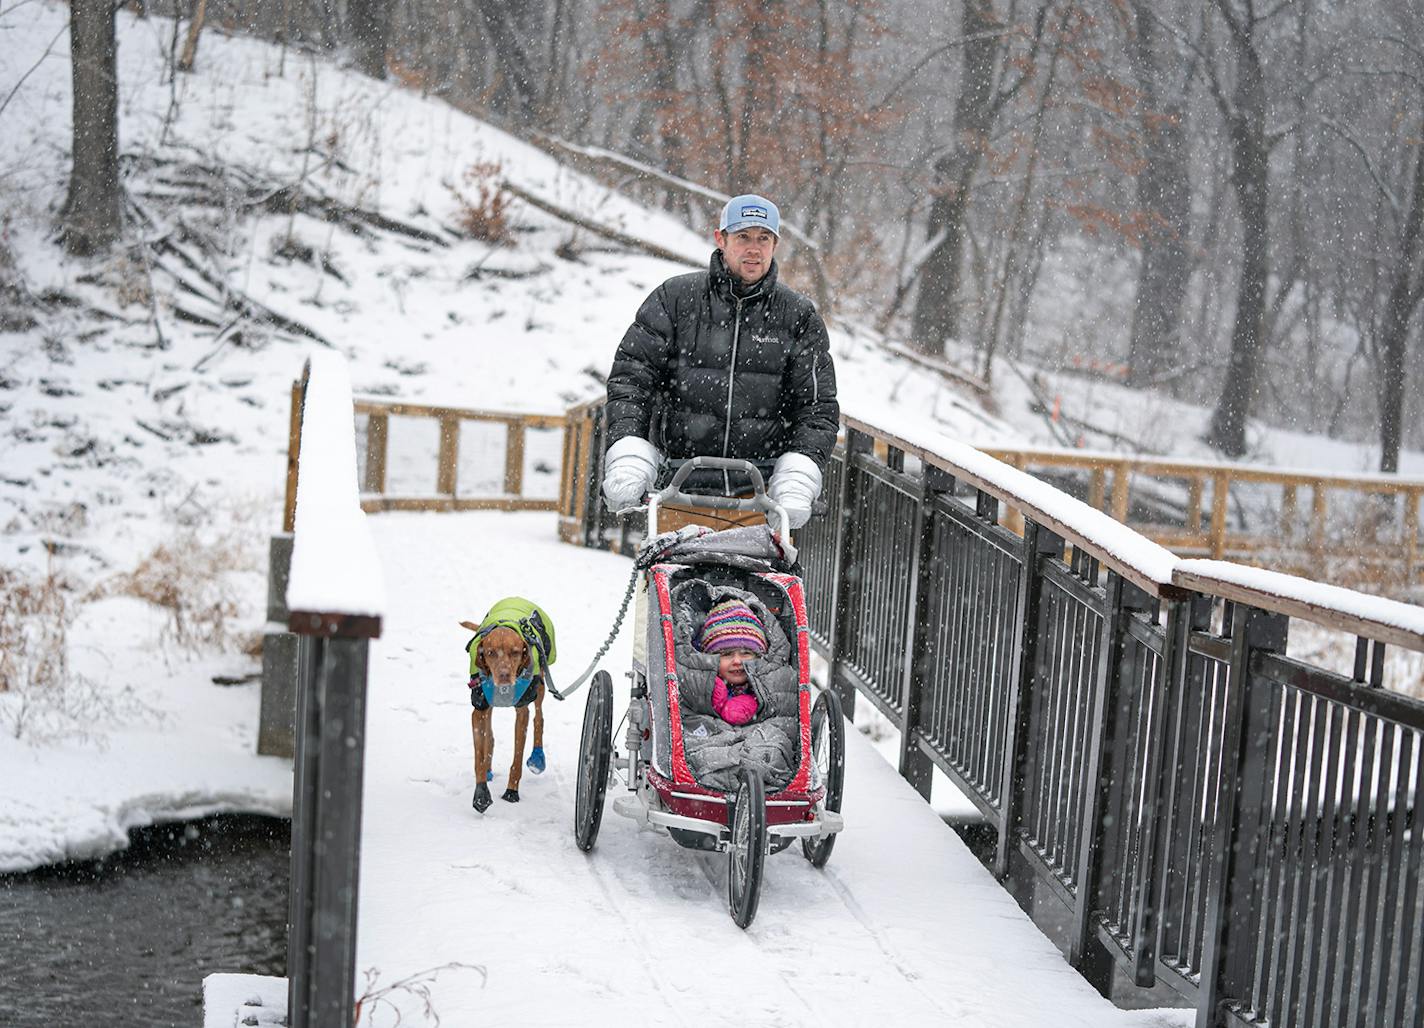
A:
(1154, 567)
(1388, 620)
(1130, 554)
(335, 573)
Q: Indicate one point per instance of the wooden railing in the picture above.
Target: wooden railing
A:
(1172, 795)
(1368, 520)
(447, 495)
(1284, 519)
(334, 602)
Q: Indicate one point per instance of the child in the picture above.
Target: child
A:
(736, 635)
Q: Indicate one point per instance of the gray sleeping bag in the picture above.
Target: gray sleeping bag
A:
(716, 750)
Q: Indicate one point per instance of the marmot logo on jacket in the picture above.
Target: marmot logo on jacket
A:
(765, 338)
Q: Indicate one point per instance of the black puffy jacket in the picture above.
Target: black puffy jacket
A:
(704, 372)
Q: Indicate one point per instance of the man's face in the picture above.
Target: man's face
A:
(747, 253)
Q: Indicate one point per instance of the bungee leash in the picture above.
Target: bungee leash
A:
(617, 625)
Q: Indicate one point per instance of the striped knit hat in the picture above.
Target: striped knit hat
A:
(731, 625)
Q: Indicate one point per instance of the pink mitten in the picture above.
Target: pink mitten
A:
(733, 708)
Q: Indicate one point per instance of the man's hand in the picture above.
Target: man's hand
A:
(795, 484)
(630, 469)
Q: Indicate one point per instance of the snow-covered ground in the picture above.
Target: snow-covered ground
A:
(902, 919)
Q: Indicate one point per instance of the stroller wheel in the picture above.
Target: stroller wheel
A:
(595, 748)
(746, 853)
(828, 751)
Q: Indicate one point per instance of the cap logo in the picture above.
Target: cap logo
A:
(754, 212)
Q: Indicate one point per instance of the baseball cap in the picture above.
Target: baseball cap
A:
(748, 211)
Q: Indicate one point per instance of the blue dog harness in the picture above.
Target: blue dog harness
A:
(505, 695)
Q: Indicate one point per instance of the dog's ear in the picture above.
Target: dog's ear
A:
(470, 625)
(480, 662)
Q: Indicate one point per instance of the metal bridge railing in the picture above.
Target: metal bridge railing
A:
(1200, 810)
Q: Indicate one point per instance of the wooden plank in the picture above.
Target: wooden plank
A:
(382, 504)
(1317, 613)
(1220, 493)
(1167, 467)
(1319, 509)
(1121, 479)
(1195, 489)
(566, 472)
(447, 464)
(1098, 489)
(377, 432)
(1288, 510)
(376, 405)
(345, 626)
(514, 458)
(294, 453)
(584, 441)
(1411, 536)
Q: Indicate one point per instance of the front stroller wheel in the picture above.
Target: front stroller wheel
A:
(595, 748)
(746, 852)
(828, 751)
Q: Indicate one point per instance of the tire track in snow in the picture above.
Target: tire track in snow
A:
(631, 928)
(892, 956)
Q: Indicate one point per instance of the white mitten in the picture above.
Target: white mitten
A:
(629, 470)
(795, 484)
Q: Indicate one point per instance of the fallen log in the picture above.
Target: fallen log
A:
(563, 214)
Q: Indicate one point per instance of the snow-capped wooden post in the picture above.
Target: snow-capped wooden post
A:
(335, 599)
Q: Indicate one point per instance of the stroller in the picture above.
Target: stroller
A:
(678, 775)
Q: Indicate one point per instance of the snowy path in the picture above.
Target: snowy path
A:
(903, 922)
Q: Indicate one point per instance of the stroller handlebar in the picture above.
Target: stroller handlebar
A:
(758, 501)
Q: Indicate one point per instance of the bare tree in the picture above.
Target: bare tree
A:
(507, 24)
(1164, 197)
(93, 208)
(1244, 112)
(370, 23)
(1406, 290)
(936, 316)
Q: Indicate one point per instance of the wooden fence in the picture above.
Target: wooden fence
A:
(1292, 521)
(1367, 520)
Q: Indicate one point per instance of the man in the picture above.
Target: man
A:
(725, 363)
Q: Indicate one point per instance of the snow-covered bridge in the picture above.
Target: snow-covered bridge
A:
(1178, 800)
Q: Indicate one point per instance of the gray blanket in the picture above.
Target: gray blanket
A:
(716, 750)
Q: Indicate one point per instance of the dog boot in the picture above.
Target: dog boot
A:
(535, 762)
(482, 798)
(510, 796)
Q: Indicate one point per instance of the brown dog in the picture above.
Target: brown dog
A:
(504, 656)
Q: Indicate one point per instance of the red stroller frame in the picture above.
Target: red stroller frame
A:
(661, 788)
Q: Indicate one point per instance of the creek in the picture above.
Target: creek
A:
(127, 940)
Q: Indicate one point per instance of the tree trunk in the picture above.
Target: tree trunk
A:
(936, 316)
(1249, 177)
(190, 44)
(1404, 295)
(370, 25)
(92, 211)
(1164, 195)
(517, 96)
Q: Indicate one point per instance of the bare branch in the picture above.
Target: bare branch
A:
(16, 87)
(1345, 134)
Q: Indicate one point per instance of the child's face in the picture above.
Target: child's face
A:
(731, 665)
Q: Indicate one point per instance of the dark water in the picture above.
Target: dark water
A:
(129, 939)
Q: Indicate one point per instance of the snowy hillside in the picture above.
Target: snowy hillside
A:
(117, 406)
